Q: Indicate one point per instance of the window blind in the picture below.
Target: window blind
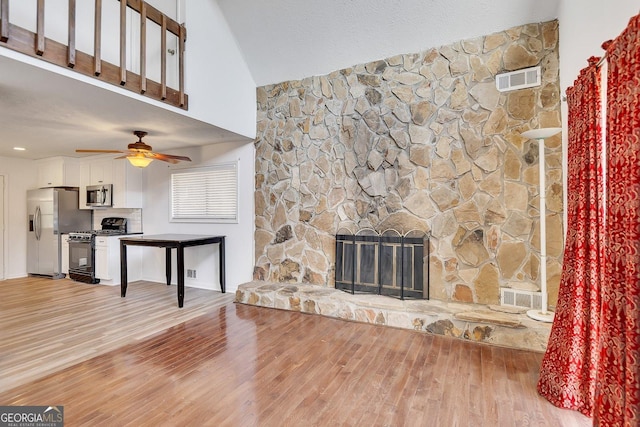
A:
(205, 194)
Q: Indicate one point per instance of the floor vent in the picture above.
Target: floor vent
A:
(518, 298)
(521, 79)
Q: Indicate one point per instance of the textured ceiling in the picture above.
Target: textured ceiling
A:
(51, 115)
(292, 39)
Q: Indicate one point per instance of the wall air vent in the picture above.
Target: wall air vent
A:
(527, 77)
(519, 298)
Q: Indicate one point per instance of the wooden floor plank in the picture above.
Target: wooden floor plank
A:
(51, 324)
(236, 365)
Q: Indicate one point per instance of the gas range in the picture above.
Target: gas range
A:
(82, 248)
(111, 226)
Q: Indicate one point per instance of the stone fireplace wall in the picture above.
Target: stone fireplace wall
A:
(416, 141)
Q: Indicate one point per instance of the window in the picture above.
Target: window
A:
(205, 194)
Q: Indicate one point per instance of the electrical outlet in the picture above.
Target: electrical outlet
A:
(191, 273)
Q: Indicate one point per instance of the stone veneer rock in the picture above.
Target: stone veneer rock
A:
(509, 328)
(416, 141)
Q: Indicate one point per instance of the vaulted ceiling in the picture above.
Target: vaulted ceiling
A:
(292, 39)
(279, 39)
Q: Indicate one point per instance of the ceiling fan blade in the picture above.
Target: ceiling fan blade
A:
(162, 156)
(99, 151)
(172, 161)
(140, 149)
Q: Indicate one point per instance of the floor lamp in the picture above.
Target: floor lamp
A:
(543, 315)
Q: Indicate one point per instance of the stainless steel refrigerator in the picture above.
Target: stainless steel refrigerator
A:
(51, 213)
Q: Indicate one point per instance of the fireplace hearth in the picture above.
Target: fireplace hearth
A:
(384, 264)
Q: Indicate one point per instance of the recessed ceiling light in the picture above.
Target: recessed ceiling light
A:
(19, 148)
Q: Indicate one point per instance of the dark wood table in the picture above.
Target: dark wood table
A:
(169, 241)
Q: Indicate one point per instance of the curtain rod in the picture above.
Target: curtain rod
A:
(598, 64)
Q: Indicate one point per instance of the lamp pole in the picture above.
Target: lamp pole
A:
(542, 315)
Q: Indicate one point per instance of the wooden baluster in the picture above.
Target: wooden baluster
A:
(123, 42)
(35, 43)
(40, 29)
(163, 58)
(181, 39)
(4, 20)
(143, 47)
(97, 39)
(71, 52)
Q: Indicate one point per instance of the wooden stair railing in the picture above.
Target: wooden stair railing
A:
(37, 45)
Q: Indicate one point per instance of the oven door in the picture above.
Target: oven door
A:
(81, 261)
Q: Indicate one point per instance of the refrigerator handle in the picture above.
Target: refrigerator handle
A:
(36, 220)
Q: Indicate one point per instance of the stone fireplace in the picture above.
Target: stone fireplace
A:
(420, 141)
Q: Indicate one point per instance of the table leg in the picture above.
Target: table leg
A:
(123, 269)
(222, 270)
(167, 264)
(180, 273)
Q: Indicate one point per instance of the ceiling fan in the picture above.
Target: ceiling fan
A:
(139, 154)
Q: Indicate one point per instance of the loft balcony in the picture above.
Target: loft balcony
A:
(126, 43)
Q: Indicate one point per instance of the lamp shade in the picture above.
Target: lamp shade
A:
(541, 133)
(139, 160)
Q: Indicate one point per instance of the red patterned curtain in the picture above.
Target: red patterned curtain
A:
(618, 377)
(567, 377)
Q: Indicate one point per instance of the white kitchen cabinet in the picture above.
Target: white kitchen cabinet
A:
(85, 179)
(127, 185)
(58, 172)
(107, 262)
(65, 254)
(101, 172)
(125, 178)
(101, 266)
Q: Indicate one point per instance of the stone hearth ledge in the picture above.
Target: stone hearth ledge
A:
(472, 322)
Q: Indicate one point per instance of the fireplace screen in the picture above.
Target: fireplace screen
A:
(387, 264)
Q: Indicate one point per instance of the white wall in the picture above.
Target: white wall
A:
(584, 26)
(239, 247)
(220, 87)
(19, 176)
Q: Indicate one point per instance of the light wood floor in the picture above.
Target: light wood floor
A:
(241, 365)
(46, 325)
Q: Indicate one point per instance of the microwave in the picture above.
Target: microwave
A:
(99, 195)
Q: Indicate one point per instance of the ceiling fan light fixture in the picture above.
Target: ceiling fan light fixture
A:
(140, 154)
(139, 160)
